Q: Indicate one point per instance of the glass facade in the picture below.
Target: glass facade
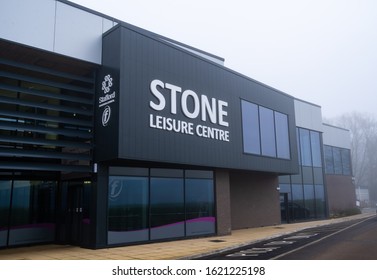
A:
(265, 132)
(305, 192)
(167, 208)
(160, 204)
(27, 212)
(338, 161)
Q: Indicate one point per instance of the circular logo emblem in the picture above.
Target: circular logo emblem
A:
(106, 116)
(107, 83)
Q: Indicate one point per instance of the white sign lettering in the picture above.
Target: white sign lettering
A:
(192, 106)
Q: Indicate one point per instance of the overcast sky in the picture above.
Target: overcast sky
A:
(323, 51)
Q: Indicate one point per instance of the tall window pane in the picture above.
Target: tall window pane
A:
(346, 161)
(282, 136)
(167, 208)
(33, 212)
(320, 201)
(200, 214)
(128, 209)
(309, 201)
(329, 160)
(306, 155)
(5, 190)
(297, 206)
(316, 148)
(250, 127)
(337, 160)
(267, 128)
(298, 145)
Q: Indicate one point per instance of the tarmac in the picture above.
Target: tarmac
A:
(167, 250)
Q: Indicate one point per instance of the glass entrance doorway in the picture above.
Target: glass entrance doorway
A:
(74, 213)
(75, 207)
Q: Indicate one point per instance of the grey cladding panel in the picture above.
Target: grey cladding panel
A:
(145, 59)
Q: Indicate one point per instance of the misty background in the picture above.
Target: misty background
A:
(323, 52)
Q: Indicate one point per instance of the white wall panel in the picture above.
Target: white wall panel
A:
(78, 33)
(336, 136)
(107, 24)
(28, 22)
(308, 115)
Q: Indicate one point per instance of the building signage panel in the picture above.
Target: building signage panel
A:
(107, 107)
(175, 107)
(211, 113)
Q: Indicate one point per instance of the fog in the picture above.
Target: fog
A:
(321, 51)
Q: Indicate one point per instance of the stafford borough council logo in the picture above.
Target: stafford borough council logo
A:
(107, 83)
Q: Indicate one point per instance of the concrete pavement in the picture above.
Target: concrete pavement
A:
(170, 250)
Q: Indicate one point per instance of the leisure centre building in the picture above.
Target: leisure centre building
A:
(113, 135)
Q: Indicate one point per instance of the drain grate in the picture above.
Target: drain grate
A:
(217, 240)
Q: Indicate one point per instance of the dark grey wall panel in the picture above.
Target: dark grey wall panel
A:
(143, 59)
(106, 113)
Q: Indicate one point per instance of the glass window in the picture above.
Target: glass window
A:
(128, 206)
(298, 145)
(5, 190)
(309, 201)
(297, 209)
(149, 208)
(286, 188)
(167, 208)
(318, 175)
(265, 132)
(267, 129)
(33, 212)
(329, 160)
(346, 162)
(250, 127)
(316, 148)
(306, 155)
(337, 160)
(320, 201)
(200, 214)
(282, 136)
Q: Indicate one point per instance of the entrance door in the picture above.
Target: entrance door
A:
(75, 213)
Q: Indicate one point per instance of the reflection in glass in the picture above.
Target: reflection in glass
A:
(297, 208)
(329, 160)
(33, 212)
(337, 160)
(5, 192)
(167, 208)
(128, 209)
(316, 148)
(309, 201)
(267, 131)
(346, 162)
(200, 216)
(282, 136)
(306, 154)
(320, 201)
(250, 128)
(160, 207)
(308, 198)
